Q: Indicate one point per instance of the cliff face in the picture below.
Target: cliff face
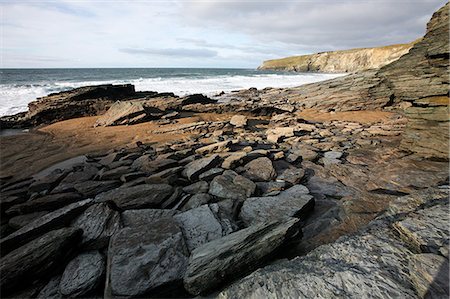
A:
(339, 61)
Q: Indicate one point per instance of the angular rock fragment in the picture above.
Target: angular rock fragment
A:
(193, 170)
(92, 188)
(199, 187)
(260, 170)
(50, 221)
(235, 254)
(49, 181)
(98, 222)
(232, 186)
(36, 258)
(145, 217)
(196, 200)
(82, 274)
(293, 202)
(142, 259)
(199, 226)
(138, 197)
(210, 174)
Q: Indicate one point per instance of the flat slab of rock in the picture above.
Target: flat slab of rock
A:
(230, 185)
(235, 254)
(141, 259)
(98, 222)
(36, 258)
(293, 202)
(20, 221)
(92, 188)
(195, 168)
(213, 148)
(430, 275)
(46, 203)
(144, 217)
(82, 274)
(260, 170)
(138, 197)
(122, 113)
(50, 221)
(199, 226)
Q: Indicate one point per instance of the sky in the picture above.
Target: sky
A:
(201, 33)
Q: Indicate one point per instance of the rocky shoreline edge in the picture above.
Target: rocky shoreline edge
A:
(332, 189)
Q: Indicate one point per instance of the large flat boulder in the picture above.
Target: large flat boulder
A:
(238, 253)
(48, 222)
(294, 202)
(37, 258)
(144, 258)
(124, 113)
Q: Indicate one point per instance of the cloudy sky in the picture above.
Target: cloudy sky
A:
(201, 33)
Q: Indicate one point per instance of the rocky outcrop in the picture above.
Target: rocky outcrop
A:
(339, 61)
(375, 263)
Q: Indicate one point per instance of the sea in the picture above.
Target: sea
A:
(18, 87)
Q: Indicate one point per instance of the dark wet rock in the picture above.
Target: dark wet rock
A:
(49, 181)
(260, 169)
(145, 217)
(20, 221)
(221, 260)
(50, 221)
(92, 188)
(46, 203)
(98, 222)
(293, 202)
(51, 289)
(144, 259)
(198, 187)
(232, 186)
(37, 258)
(196, 200)
(199, 226)
(82, 274)
(195, 168)
(138, 197)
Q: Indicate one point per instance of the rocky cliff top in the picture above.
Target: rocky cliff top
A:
(339, 61)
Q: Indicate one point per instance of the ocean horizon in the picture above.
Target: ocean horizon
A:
(20, 86)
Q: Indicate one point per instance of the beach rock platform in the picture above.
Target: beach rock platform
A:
(315, 191)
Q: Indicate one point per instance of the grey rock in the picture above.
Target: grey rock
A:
(168, 176)
(20, 221)
(270, 188)
(82, 274)
(332, 155)
(260, 169)
(50, 221)
(141, 259)
(193, 170)
(196, 200)
(138, 197)
(92, 188)
(292, 175)
(199, 226)
(198, 187)
(51, 289)
(46, 203)
(210, 174)
(49, 181)
(85, 174)
(221, 260)
(230, 185)
(38, 257)
(98, 222)
(113, 174)
(145, 217)
(293, 202)
(233, 160)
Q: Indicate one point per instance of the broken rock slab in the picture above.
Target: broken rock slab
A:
(238, 253)
(230, 185)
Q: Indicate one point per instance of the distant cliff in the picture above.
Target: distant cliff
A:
(339, 61)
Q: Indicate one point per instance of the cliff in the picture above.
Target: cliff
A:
(339, 61)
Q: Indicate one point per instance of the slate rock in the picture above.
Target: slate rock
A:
(198, 187)
(260, 170)
(20, 221)
(430, 275)
(193, 169)
(144, 217)
(199, 226)
(82, 274)
(46, 203)
(50, 221)
(232, 186)
(238, 253)
(293, 202)
(138, 197)
(141, 259)
(51, 289)
(292, 175)
(98, 222)
(210, 174)
(92, 188)
(49, 181)
(196, 200)
(37, 258)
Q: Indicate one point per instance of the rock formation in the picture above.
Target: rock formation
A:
(339, 61)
